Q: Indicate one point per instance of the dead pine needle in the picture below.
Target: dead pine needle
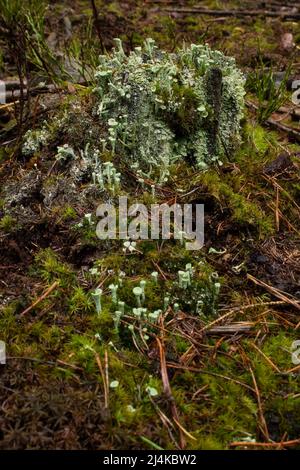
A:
(263, 423)
(40, 299)
(168, 391)
(103, 376)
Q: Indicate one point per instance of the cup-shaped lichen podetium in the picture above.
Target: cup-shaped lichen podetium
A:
(97, 299)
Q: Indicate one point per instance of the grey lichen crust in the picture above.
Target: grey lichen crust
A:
(160, 107)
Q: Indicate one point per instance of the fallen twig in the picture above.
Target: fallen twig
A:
(277, 125)
(160, 270)
(280, 295)
(232, 328)
(282, 127)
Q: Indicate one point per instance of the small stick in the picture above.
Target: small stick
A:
(289, 323)
(105, 385)
(59, 361)
(282, 127)
(160, 270)
(42, 297)
(238, 327)
(184, 430)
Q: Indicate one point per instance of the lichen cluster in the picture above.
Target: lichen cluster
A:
(195, 291)
(34, 140)
(160, 107)
(155, 108)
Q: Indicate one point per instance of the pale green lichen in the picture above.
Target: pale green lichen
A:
(160, 107)
(35, 140)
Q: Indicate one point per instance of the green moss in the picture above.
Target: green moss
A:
(4, 152)
(53, 337)
(8, 322)
(243, 211)
(68, 213)
(79, 301)
(51, 269)
(259, 138)
(63, 333)
(207, 443)
(104, 325)
(7, 223)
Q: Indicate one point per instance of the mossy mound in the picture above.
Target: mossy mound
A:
(160, 107)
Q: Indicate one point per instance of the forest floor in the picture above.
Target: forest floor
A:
(222, 381)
